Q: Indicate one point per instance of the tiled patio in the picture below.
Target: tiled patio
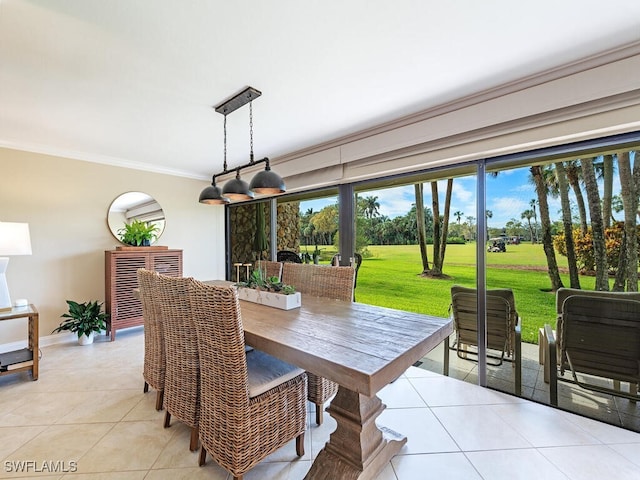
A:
(607, 408)
(88, 407)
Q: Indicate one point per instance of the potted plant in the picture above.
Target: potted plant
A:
(268, 291)
(84, 319)
(138, 233)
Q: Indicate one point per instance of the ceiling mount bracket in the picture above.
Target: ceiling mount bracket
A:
(238, 100)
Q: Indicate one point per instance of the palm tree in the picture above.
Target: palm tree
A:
(420, 221)
(563, 190)
(545, 221)
(440, 225)
(629, 192)
(458, 215)
(371, 207)
(607, 194)
(574, 174)
(532, 204)
(597, 226)
(528, 215)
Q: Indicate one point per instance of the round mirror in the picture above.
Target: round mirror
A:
(132, 206)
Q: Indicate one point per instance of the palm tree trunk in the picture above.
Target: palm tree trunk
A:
(545, 221)
(597, 228)
(435, 202)
(422, 235)
(629, 193)
(573, 175)
(445, 221)
(607, 193)
(563, 189)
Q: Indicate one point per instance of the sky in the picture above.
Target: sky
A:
(508, 195)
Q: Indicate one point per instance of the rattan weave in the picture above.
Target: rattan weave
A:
(154, 358)
(269, 268)
(236, 430)
(182, 379)
(320, 281)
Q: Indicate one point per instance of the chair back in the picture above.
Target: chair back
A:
(154, 357)
(269, 268)
(224, 387)
(182, 379)
(600, 335)
(319, 280)
(501, 317)
(288, 256)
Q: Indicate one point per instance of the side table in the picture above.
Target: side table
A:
(25, 359)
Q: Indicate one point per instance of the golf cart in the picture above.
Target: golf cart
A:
(496, 245)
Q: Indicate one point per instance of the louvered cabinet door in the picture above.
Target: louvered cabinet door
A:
(121, 278)
(168, 262)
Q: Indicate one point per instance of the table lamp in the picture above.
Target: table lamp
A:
(14, 240)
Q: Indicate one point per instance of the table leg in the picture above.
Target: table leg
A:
(357, 449)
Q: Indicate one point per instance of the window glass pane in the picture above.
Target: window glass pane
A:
(397, 271)
(562, 222)
(308, 226)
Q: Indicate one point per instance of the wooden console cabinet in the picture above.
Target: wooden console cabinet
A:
(121, 278)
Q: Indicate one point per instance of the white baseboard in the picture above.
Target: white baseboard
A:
(45, 341)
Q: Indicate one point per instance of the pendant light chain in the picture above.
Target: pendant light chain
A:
(225, 143)
(251, 131)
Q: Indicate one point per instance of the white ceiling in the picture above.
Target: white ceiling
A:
(133, 82)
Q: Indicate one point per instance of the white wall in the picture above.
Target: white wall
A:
(65, 203)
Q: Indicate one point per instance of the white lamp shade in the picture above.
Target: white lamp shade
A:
(14, 239)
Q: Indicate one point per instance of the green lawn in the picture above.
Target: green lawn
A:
(390, 278)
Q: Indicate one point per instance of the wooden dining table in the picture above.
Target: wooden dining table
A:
(362, 348)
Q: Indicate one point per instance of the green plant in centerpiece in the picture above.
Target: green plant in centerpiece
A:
(83, 318)
(271, 284)
(138, 233)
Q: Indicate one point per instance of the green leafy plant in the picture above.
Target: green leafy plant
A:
(138, 233)
(271, 284)
(83, 318)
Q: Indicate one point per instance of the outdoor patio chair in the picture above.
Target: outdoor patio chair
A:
(250, 405)
(598, 335)
(153, 370)
(288, 256)
(327, 282)
(182, 378)
(503, 327)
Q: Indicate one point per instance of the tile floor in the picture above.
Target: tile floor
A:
(87, 413)
(607, 408)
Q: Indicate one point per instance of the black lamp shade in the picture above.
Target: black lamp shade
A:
(267, 182)
(237, 189)
(212, 196)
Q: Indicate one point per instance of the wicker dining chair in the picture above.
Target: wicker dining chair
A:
(356, 261)
(269, 268)
(153, 370)
(327, 282)
(182, 379)
(250, 405)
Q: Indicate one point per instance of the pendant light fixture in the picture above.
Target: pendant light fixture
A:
(265, 182)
